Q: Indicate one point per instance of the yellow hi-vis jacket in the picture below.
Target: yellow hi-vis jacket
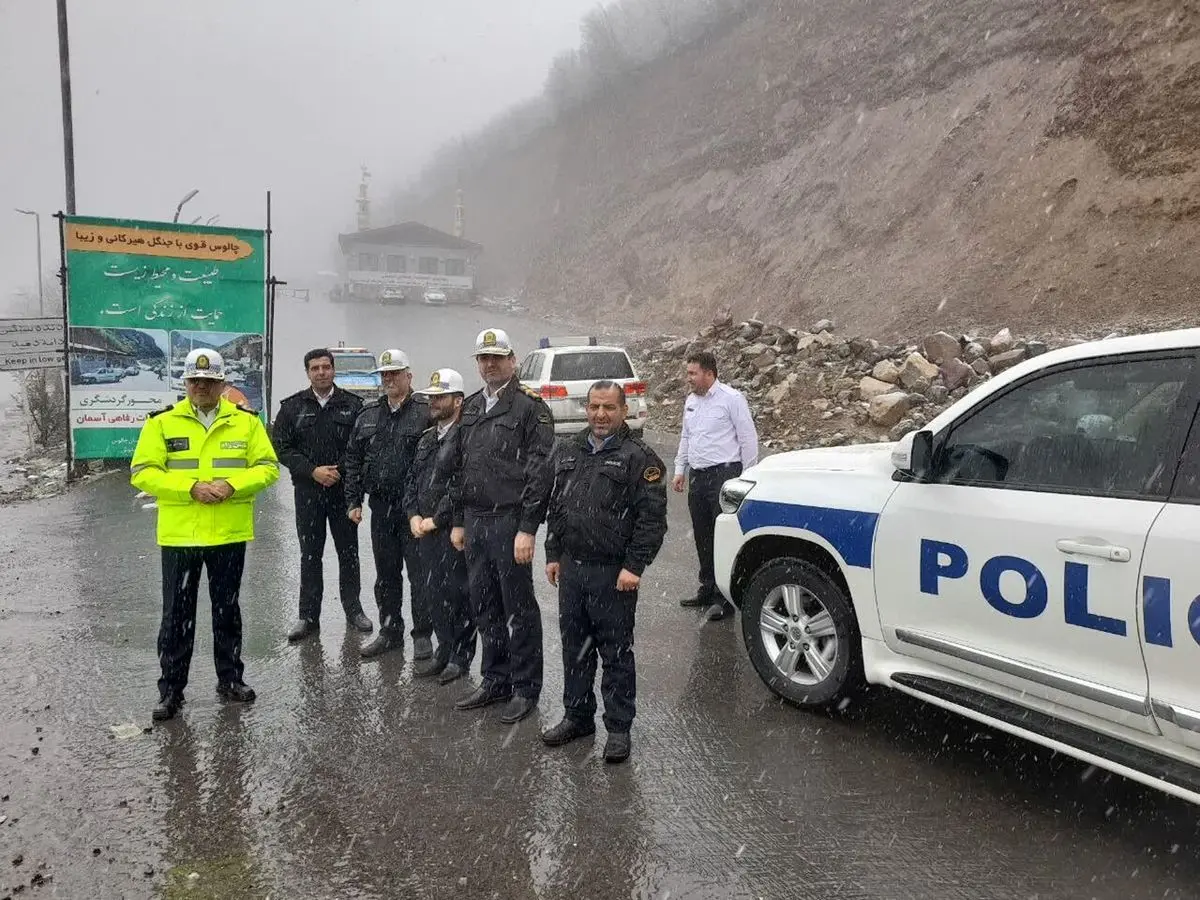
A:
(174, 451)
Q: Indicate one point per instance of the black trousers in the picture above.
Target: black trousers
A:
(444, 572)
(506, 610)
(704, 503)
(394, 548)
(181, 568)
(597, 620)
(317, 506)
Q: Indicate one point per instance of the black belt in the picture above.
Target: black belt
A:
(728, 465)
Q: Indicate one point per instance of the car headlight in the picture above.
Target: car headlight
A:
(733, 492)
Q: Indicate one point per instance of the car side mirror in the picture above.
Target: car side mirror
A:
(913, 455)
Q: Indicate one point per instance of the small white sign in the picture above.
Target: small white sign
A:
(31, 344)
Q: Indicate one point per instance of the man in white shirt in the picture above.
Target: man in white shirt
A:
(718, 441)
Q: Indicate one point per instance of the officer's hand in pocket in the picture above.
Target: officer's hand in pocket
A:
(356, 515)
(458, 537)
(552, 573)
(627, 581)
(523, 548)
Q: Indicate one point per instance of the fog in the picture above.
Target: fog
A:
(235, 98)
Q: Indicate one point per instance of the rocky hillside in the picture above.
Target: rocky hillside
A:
(898, 166)
(817, 388)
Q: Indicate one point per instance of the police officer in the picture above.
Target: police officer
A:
(427, 502)
(203, 459)
(379, 457)
(310, 434)
(499, 501)
(605, 524)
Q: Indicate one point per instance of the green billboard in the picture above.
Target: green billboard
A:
(140, 296)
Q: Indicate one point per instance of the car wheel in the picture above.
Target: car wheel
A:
(801, 634)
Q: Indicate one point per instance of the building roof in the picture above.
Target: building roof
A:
(412, 234)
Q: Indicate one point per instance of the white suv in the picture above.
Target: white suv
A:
(1028, 560)
(562, 370)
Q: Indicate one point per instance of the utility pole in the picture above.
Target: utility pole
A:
(64, 66)
(38, 220)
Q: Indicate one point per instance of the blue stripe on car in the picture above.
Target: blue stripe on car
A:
(849, 531)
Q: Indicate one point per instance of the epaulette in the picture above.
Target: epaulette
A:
(159, 412)
(370, 403)
(638, 442)
(429, 429)
(530, 392)
(295, 396)
(246, 409)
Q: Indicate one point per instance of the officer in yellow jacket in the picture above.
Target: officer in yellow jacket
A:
(203, 459)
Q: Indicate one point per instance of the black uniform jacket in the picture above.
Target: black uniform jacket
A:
(307, 435)
(382, 448)
(428, 492)
(606, 507)
(502, 457)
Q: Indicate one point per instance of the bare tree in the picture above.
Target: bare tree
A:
(42, 397)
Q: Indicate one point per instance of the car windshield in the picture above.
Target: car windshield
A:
(590, 366)
(353, 362)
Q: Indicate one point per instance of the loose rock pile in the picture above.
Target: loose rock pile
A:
(817, 388)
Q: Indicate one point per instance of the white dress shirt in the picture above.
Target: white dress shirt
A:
(491, 398)
(717, 429)
(207, 418)
(323, 398)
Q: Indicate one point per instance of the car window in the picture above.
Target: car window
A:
(590, 366)
(353, 362)
(1100, 429)
(531, 369)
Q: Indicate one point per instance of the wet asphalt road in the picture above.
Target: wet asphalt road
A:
(349, 779)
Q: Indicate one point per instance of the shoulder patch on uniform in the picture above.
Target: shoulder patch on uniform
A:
(652, 474)
(544, 418)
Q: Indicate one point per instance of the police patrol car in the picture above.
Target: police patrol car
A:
(562, 369)
(1029, 559)
(354, 371)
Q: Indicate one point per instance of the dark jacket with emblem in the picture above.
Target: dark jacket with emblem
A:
(307, 435)
(428, 492)
(383, 445)
(608, 506)
(502, 456)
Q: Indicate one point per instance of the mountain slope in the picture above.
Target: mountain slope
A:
(893, 165)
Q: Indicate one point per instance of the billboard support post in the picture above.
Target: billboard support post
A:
(66, 370)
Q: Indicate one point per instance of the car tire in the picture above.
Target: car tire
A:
(830, 670)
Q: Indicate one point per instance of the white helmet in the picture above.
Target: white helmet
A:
(393, 361)
(493, 342)
(203, 363)
(443, 381)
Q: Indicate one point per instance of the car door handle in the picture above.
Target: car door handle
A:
(1086, 546)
